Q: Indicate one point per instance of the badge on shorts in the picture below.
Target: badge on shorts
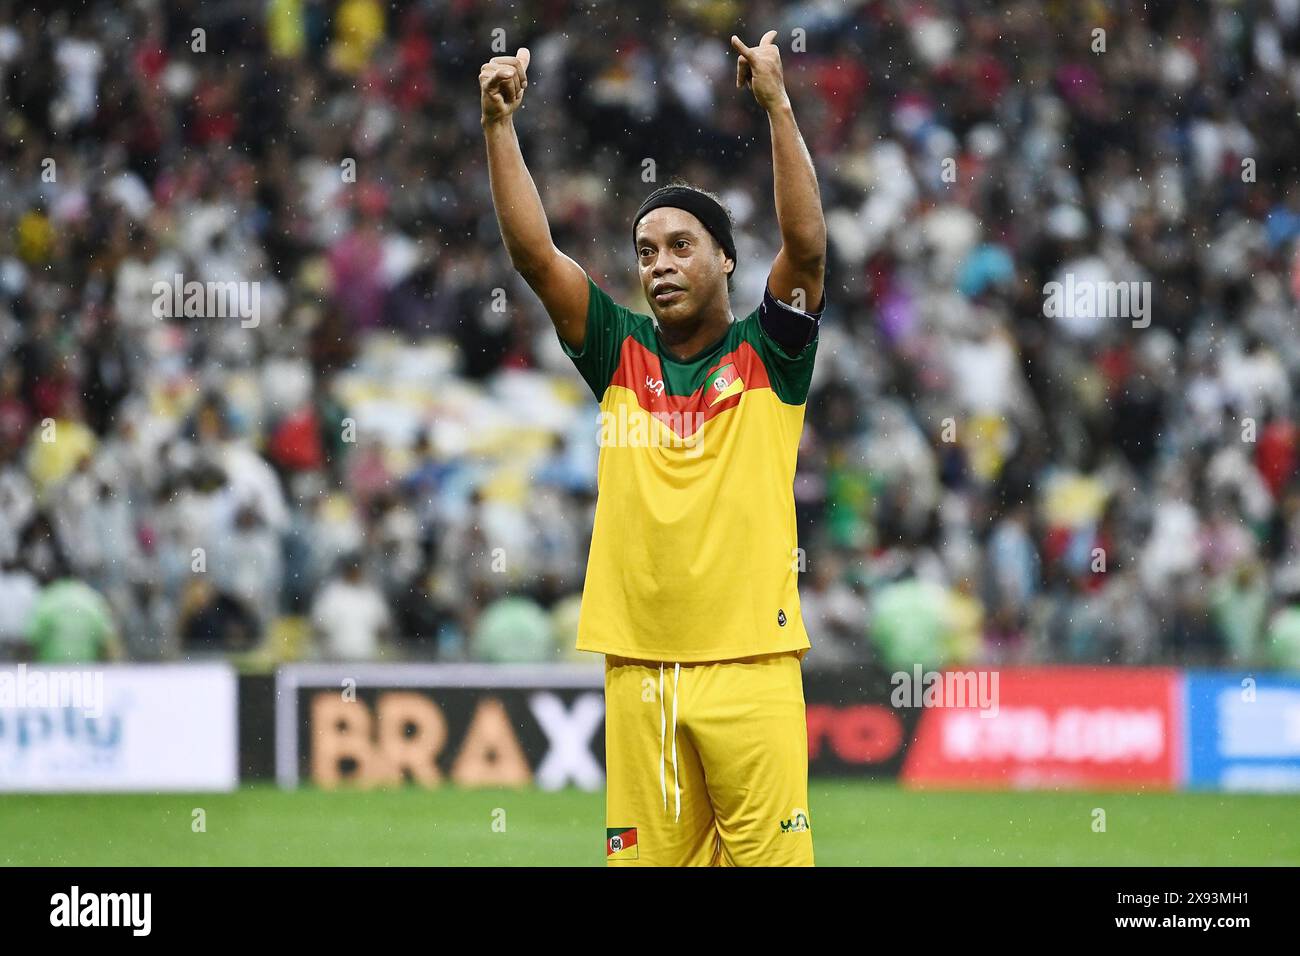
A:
(620, 844)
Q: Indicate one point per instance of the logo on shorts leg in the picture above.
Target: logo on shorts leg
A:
(798, 822)
(620, 844)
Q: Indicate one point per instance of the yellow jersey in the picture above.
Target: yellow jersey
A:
(694, 551)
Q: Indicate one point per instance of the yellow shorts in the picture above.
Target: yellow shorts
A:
(707, 764)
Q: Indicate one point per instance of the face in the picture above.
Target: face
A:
(682, 266)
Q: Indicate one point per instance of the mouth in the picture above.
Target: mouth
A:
(667, 293)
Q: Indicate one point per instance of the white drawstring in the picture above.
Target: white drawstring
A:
(663, 787)
(677, 782)
(663, 726)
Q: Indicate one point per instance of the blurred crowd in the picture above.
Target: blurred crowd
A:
(390, 457)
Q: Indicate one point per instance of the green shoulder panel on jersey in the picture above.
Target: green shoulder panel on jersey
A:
(608, 324)
(790, 375)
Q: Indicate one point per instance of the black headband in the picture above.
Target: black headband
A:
(701, 206)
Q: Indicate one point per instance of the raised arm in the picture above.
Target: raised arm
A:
(559, 282)
(801, 262)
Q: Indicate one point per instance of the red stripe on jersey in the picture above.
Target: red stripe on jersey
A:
(639, 369)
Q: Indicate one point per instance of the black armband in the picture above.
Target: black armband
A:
(787, 326)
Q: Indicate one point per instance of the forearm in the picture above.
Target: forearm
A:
(798, 200)
(520, 214)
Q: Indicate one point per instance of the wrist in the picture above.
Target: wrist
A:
(496, 122)
(780, 106)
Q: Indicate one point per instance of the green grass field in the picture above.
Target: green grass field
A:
(854, 824)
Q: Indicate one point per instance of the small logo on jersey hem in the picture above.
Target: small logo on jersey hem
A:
(780, 616)
(621, 844)
(798, 822)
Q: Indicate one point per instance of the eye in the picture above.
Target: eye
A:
(680, 243)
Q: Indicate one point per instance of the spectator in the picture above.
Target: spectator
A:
(214, 622)
(350, 616)
(71, 623)
(19, 591)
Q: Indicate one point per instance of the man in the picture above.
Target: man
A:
(71, 623)
(691, 589)
(351, 615)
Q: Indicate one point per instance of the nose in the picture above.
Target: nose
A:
(663, 263)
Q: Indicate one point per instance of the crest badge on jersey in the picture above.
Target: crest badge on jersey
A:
(724, 383)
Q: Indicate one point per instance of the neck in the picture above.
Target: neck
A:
(689, 336)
